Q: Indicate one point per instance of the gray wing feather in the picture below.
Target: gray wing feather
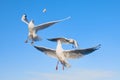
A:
(47, 51)
(48, 24)
(45, 25)
(72, 54)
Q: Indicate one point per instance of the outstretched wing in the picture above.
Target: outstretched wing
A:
(47, 51)
(47, 24)
(72, 54)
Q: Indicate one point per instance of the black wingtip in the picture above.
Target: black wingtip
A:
(98, 46)
(49, 39)
(54, 39)
(38, 48)
(35, 46)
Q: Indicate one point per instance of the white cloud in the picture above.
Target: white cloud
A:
(74, 75)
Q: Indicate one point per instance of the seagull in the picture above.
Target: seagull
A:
(32, 35)
(63, 55)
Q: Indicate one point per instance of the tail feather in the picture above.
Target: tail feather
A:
(67, 65)
(64, 63)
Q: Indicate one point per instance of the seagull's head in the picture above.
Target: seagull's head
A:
(74, 42)
(24, 16)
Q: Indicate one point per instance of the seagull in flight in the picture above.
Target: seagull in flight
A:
(32, 35)
(63, 55)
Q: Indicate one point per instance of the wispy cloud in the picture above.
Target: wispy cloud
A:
(74, 75)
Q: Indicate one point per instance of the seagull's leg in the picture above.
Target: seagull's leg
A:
(32, 39)
(63, 67)
(57, 65)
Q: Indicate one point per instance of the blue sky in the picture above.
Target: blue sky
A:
(92, 22)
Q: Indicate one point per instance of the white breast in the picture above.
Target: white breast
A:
(59, 51)
(31, 27)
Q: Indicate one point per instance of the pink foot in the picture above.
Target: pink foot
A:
(56, 67)
(63, 68)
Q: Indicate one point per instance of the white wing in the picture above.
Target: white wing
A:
(24, 19)
(73, 54)
(47, 51)
(47, 24)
